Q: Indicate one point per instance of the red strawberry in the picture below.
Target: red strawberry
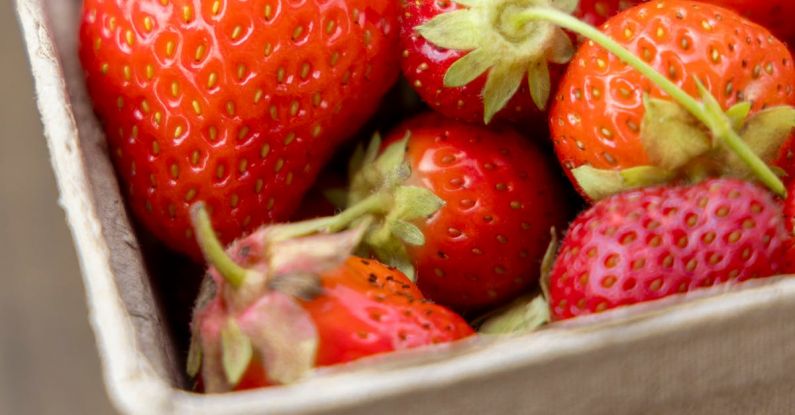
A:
(617, 126)
(466, 209)
(470, 63)
(449, 48)
(477, 229)
(501, 198)
(655, 242)
(236, 103)
(278, 308)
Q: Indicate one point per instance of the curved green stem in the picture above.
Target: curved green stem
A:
(212, 248)
(719, 124)
(375, 203)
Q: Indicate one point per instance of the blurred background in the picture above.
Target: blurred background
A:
(48, 360)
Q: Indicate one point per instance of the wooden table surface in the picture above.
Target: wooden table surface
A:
(48, 361)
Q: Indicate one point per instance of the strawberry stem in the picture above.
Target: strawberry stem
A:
(375, 203)
(212, 248)
(719, 123)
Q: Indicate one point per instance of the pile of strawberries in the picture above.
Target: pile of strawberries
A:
(672, 121)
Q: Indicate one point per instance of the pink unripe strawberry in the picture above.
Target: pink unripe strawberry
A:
(652, 243)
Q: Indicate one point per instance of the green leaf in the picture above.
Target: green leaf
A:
(412, 202)
(644, 176)
(539, 83)
(566, 6)
(501, 85)
(402, 262)
(561, 50)
(457, 30)
(469, 67)
(670, 135)
(212, 371)
(599, 183)
(391, 164)
(738, 114)
(468, 3)
(364, 176)
(768, 130)
(408, 232)
(236, 351)
(548, 261)
(392, 251)
(284, 334)
(524, 315)
(764, 133)
(373, 149)
(194, 362)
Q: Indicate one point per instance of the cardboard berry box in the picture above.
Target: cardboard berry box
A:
(723, 351)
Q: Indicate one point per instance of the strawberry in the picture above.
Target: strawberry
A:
(464, 209)
(272, 309)
(467, 61)
(497, 196)
(501, 196)
(238, 103)
(464, 64)
(655, 242)
(665, 92)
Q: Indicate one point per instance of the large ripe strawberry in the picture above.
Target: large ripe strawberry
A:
(277, 308)
(238, 103)
(692, 81)
(651, 243)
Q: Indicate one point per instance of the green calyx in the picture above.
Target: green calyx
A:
(524, 315)
(379, 201)
(237, 351)
(395, 228)
(686, 138)
(258, 301)
(509, 53)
